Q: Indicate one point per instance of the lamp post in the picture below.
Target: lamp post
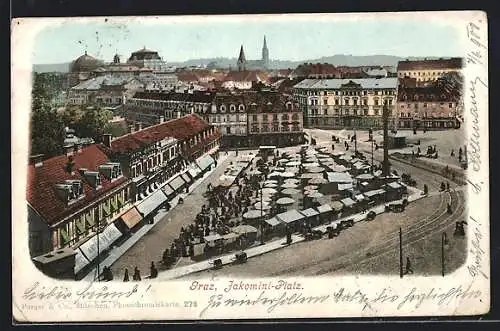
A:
(372, 156)
(261, 217)
(400, 253)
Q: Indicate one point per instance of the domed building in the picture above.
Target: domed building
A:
(85, 63)
(82, 69)
(146, 58)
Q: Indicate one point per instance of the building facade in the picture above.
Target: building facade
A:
(273, 119)
(104, 90)
(70, 197)
(430, 108)
(155, 107)
(86, 200)
(425, 71)
(340, 103)
(228, 112)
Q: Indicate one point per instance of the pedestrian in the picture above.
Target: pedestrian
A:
(409, 269)
(125, 277)
(137, 275)
(447, 186)
(153, 271)
(452, 153)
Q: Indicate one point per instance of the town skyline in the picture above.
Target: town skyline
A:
(287, 41)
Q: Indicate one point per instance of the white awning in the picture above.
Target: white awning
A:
(80, 261)
(309, 212)
(151, 202)
(204, 162)
(290, 216)
(176, 183)
(213, 237)
(348, 202)
(106, 238)
(186, 178)
(273, 221)
(324, 208)
(194, 171)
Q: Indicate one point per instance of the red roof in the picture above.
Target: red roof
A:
(451, 63)
(246, 76)
(180, 128)
(41, 193)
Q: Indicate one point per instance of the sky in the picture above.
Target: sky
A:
(290, 39)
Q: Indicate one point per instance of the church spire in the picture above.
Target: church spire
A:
(265, 54)
(241, 60)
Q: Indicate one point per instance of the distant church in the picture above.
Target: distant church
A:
(262, 64)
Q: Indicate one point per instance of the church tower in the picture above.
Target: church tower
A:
(265, 55)
(242, 62)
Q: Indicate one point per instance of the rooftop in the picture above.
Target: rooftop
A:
(180, 129)
(41, 193)
(442, 63)
(366, 83)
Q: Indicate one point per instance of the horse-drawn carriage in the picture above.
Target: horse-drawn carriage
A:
(314, 234)
(406, 178)
(396, 207)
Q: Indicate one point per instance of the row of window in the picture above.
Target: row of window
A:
(359, 112)
(432, 105)
(275, 117)
(353, 93)
(81, 226)
(275, 128)
(422, 73)
(232, 118)
(425, 114)
(347, 102)
(153, 161)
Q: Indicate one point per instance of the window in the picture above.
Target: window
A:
(402, 106)
(222, 109)
(336, 102)
(232, 108)
(346, 101)
(365, 102)
(402, 114)
(376, 102)
(254, 118)
(355, 102)
(390, 102)
(450, 105)
(325, 102)
(425, 105)
(365, 111)
(364, 92)
(241, 108)
(376, 111)
(295, 117)
(275, 127)
(228, 130)
(275, 117)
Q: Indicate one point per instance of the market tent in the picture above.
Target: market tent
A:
(315, 169)
(315, 195)
(318, 180)
(365, 177)
(265, 206)
(311, 187)
(289, 185)
(324, 208)
(290, 191)
(293, 163)
(273, 222)
(252, 214)
(271, 181)
(243, 229)
(309, 212)
(213, 237)
(270, 185)
(268, 190)
(204, 162)
(290, 216)
(348, 202)
(285, 201)
(337, 205)
(343, 187)
(292, 180)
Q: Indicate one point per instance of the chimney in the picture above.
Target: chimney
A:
(132, 128)
(162, 119)
(77, 148)
(70, 165)
(106, 139)
(138, 126)
(69, 150)
(37, 160)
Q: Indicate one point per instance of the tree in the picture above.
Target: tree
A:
(93, 123)
(47, 127)
(116, 129)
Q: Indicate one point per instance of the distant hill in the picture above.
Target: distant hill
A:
(223, 62)
(337, 60)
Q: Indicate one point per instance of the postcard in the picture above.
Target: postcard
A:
(250, 167)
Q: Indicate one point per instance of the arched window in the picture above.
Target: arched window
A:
(222, 109)
(289, 106)
(232, 108)
(241, 108)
